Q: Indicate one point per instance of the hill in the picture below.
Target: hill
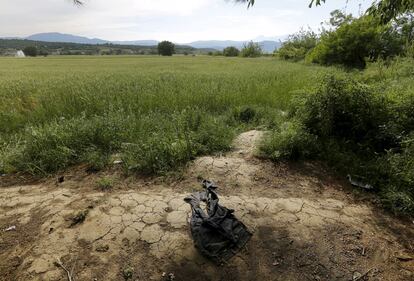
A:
(10, 46)
(268, 46)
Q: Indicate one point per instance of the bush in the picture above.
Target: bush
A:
(298, 45)
(30, 51)
(166, 48)
(357, 131)
(290, 142)
(345, 109)
(231, 52)
(251, 50)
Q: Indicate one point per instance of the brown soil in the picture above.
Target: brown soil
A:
(307, 226)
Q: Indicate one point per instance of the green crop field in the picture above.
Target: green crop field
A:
(158, 112)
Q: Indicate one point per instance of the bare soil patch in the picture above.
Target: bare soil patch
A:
(307, 225)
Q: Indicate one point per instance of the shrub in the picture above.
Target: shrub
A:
(345, 109)
(166, 48)
(251, 50)
(298, 45)
(356, 131)
(290, 141)
(231, 52)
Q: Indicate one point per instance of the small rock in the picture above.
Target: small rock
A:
(356, 276)
(117, 162)
(102, 248)
(276, 263)
(11, 228)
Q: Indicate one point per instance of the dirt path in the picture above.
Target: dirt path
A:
(307, 226)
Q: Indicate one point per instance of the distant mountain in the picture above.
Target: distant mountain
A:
(268, 46)
(67, 38)
(137, 42)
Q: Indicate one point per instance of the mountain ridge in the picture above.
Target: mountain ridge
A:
(268, 46)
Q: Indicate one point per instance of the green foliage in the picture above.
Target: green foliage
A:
(245, 114)
(231, 52)
(60, 143)
(62, 48)
(290, 141)
(357, 130)
(354, 41)
(166, 48)
(94, 107)
(251, 50)
(345, 109)
(128, 273)
(105, 183)
(339, 17)
(386, 10)
(30, 51)
(298, 45)
(188, 135)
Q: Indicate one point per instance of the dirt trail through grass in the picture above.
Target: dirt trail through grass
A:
(306, 225)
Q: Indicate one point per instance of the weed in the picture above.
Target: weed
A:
(128, 273)
(105, 183)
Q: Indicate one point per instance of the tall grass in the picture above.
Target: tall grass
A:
(158, 112)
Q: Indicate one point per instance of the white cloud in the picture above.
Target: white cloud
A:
(178, 20)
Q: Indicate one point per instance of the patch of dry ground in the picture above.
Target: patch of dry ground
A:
(306, 225)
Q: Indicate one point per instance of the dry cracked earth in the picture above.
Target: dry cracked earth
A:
(306, 224)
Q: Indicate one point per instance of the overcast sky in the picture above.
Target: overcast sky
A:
(175, 20)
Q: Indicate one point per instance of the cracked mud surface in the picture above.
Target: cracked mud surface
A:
(307, 226)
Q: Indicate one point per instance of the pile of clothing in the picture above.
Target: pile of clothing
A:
(217, 234)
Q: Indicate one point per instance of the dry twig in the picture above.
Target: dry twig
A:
(59, 263)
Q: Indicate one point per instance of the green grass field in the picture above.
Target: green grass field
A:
(158, 112)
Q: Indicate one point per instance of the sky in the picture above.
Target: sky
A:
(175, 20)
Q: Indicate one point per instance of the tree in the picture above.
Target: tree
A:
(231, 52)
(352, 42)
(251, 50)
(166, 48)
(298, 45)
(30, 51)
(338, 18)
